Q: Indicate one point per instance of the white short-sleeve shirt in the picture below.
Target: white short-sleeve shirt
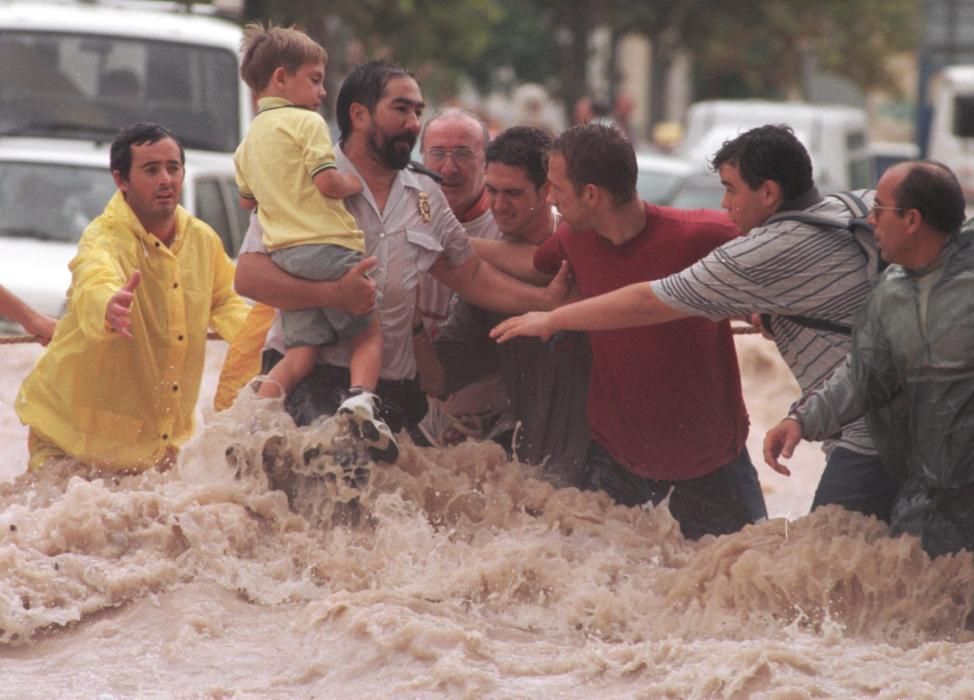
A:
(408, 237)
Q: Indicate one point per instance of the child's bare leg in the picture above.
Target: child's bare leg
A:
(366, 359)
(296, 364)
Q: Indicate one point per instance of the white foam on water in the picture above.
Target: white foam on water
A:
(453, 573)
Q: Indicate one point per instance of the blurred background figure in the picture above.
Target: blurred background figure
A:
(532, 106)
(120, 84)
(595, 111)
(622, 112)
(667, 136)
(582, 114)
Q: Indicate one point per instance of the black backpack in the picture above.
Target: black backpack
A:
(856, 225)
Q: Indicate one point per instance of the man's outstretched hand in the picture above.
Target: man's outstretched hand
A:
(118, 314)
(781, 441)
(533, 323)
(41, 327)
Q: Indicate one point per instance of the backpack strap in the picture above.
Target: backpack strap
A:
(853, 203)
(804, 217)
(857, 207)
(816, 324)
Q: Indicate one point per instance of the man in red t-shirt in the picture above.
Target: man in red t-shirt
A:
(665, 403)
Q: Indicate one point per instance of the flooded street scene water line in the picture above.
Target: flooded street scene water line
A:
(462, 576)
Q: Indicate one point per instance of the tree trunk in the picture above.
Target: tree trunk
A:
(575, 71)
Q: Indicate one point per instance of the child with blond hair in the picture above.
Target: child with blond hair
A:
(286, 165)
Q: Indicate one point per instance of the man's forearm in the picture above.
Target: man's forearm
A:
(626, 307)
(823, 412)
(258, 278)
(480, 283)
(515, 259)
(12, 307)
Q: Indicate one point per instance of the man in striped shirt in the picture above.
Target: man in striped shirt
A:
(805, 277)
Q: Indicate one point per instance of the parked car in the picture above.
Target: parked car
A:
(83, 70)
(701, 190)
(661, 176)
(836, 136)
(72, 73)
(51, 189)
(951, 139)
(887, 153)
(677, 182)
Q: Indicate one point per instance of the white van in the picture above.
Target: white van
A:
(82, 70)
(951, 139)
(836, 137)
(71, 75)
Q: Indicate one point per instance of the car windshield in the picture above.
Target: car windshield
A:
(51, 202)
(656, 186)
(81, 86)
(699, 192)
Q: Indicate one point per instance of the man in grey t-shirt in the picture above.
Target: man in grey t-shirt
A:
(799, 274)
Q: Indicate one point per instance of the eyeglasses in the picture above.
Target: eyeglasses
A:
(876, 209)
(461, 155)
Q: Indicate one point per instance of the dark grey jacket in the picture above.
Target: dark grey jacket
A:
(915, 386)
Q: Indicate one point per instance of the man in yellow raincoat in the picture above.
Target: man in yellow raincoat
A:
(118, 385)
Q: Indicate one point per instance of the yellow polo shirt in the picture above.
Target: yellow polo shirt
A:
(284, 149)
(117, 403)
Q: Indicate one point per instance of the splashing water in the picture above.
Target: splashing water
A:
(278, 562)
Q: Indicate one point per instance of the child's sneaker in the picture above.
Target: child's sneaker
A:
(360, 411)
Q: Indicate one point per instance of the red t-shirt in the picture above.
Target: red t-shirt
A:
(664, 400)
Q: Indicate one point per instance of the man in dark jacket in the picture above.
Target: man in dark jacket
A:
(911, 368)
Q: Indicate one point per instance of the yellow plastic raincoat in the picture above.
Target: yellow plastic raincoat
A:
(242, 362)
(117, 403)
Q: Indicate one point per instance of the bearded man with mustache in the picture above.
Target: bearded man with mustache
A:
(410, 230)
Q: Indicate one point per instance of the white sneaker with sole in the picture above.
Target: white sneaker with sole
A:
(360, 412)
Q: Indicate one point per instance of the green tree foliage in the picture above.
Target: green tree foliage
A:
(762, 47)
(747, 47)
(436, 40)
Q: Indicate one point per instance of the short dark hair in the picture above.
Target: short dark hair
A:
(120, 158)
(523, 147)
(770, 152)
(932, 189)
(266, 48)
(599, 155)
(364, 85)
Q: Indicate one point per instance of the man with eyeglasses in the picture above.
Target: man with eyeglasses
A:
(409, 230)
(911, 368)
(547, 382)
(452, 143)
(796, 272)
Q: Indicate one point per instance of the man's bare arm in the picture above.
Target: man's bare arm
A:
(626, 307)
(260, 279)
(34, 322)
(480, 283)
(516, 259)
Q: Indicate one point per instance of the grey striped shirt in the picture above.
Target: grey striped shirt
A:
(786, 269)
